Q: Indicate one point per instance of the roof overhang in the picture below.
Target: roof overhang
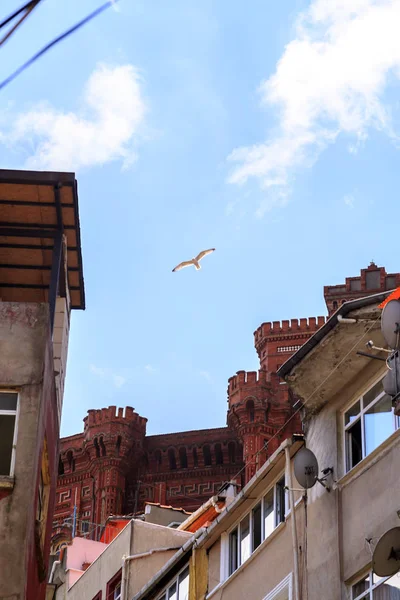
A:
(329, 360)
(40, 237)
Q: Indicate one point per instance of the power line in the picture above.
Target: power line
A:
(265, 447)
(26, 9)
(58, 39)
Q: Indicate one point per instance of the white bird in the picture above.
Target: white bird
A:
(195, 261)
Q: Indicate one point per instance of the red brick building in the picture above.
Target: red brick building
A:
(101, 467)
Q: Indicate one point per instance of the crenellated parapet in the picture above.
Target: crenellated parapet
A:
(286, 330)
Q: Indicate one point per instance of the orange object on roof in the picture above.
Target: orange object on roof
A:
(393, 296)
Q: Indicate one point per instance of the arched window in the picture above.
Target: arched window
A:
(250, 410)
(118, 445)
(171, 458)
(334, 305)
(343, 301)
(219, 457)
(183, 458)
(102, 447)
(232, 452)
(60, 466)
(207, 456)
(71, 461)
(195, 458)
(158, 458)
(96, 447)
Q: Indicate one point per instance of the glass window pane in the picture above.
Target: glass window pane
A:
(8, 401)
(172, 593)
(245, 549)
(352, 413)
(354, 445)
(256, 526)
(361, 586)
(389, 590)
(269, 515)
(373, 393)
(183, 588)
(7, 423)
(378, 423)
(233, 551)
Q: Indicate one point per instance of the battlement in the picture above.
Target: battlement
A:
(113, 415)
(309, 325)
(246, 381)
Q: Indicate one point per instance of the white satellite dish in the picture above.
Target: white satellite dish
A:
(306, 468)
(386, 557)
(390, 324)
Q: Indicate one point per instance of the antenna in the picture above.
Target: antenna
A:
(306, 469)
(386, 557)
(390, 324)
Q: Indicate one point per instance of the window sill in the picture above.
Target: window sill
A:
(367, 462)
(265, 543)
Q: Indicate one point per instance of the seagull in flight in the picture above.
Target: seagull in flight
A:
(194, 261)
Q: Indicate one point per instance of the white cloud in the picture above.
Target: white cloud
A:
(349, 200)
(150, 369)
(206, 375)
(329, 80)
(108, 375)
(106, 129)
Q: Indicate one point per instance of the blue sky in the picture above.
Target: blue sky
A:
(266, 130)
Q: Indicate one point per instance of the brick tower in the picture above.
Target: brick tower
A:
(259, 404)
(114, 444)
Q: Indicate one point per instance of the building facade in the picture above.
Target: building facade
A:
(277, 541)
(100, 468)
(40, 282)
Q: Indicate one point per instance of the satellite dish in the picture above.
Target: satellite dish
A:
(386, 557)
(390, 323)
(306, 468)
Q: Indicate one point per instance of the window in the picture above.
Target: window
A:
(283, 590)
(98, 596)
(232, 452)
(8, 431)
(117, 592)
(178, 589)
(183, 458)
(171, 458)
(372, 587)
(367, 423)
(256, 526)
(207, 456)
(250, 410)
(84, 526)
(219, 457)
(113, 591)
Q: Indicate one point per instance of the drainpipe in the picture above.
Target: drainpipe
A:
(294, 529)
(53, 568)
(344, 320)
(125, 558)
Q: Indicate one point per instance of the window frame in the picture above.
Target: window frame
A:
(175, 581)
(360, 417)
(249, 513)
(367, 594)
(285, 585)
(15, 435)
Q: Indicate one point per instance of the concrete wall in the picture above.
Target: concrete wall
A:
(162, 515)
(362, 505)
(137, 537)
(26, 364)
